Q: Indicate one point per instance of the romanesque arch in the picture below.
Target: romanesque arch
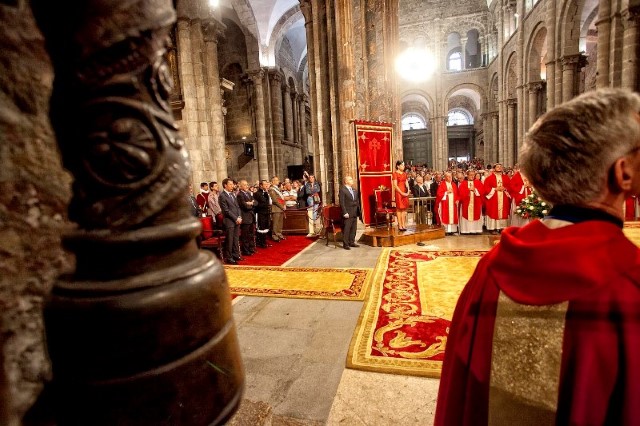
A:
(536, 56)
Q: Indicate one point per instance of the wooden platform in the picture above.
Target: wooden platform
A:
(383, 237)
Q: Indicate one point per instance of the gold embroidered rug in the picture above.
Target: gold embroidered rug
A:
(632, 231)
(305, 283)
(403, 326)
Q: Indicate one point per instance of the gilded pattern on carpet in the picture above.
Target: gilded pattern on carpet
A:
(312, 283)
(404, 325)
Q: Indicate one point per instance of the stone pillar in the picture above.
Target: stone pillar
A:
(616, 40)
(212, 30)
(534, 95)
(463, 46)
(631, 45)
(495, 148)
(486, 130)
(302, 123)
(316, 17)
(569, 72)
(132, 330)
(511, 128)
(318, 158)
(295, 137)
(257, 77)
(434, 136)
(551, 86)
(347, 82)
(603, 24)
(277, 121)
(444, 141)
(288, 114)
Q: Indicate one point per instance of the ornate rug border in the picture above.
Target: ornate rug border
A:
(357, 291)
(358, 357)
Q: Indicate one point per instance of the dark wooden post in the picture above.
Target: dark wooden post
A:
(142, 332)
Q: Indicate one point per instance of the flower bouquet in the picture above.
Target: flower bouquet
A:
(533, 207)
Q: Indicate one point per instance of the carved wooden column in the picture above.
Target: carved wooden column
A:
(142, 331)
(212, 30)
(261, 123)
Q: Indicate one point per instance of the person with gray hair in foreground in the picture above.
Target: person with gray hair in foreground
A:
(547, 331)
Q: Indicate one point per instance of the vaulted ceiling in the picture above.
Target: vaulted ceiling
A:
(275, 20)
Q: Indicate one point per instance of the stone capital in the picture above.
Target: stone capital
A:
(306, 9)
(570, 61)
(212, 30)
(536, 86)
(275, 75)
(630, 17)
(256, 76)
(512, 102)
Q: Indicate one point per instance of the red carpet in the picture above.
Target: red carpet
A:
(278, 253)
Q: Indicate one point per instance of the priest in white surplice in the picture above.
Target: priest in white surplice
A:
(447, 198)
(471, 192)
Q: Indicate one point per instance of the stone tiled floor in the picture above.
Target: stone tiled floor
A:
(294, 352)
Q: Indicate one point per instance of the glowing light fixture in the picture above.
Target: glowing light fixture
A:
(415, 64)
(214, 3)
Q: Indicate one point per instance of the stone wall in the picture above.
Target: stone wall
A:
(34, 192)
(238, 117)
(284, 57)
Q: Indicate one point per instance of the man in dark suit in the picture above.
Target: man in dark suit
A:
(247, 231)
(350, 203)
(420, 206)
(262, 208)
(231, 222)
(437, 178)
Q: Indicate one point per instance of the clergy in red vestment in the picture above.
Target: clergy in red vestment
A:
(203, 197)
(471, 191)
(519, 192)
(498, 204)
(630, 208)
(547, 331)
(447, 198)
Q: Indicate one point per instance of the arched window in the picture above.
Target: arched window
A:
(459, 117)
(413, 122)
(455, 61)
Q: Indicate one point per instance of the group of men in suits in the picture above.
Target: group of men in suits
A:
(248, 216)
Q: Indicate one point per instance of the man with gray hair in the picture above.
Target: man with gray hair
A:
(547, 331)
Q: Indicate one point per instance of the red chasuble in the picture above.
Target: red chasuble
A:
(630, 208)
(471, 199)
(580, 288)
(448, 203)
(498, 204)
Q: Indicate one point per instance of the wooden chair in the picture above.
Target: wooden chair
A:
(383, 206)
(212, 238)
(333, 221)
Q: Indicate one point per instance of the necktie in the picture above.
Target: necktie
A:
(351, 191)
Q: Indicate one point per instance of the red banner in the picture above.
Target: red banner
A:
(373, 151)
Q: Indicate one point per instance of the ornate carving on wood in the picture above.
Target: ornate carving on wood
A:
(142, 331)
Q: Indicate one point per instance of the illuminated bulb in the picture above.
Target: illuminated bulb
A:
(416, 65)
(213, 3)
